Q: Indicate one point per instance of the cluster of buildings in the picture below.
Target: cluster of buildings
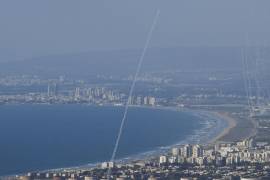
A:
(243, 160)
(61, 90)
(225, 154)
(185, 154)
(140, 100)
(64, 90)
(101, 95)
(93, 95)
(97, 94)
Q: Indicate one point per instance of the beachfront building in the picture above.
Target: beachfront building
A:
(186, 151)
(162, 159)
(176, 151)
(197, 151)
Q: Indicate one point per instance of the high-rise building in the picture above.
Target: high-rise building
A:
(145, 100)
(139, 100)
(152, 101)
(175, 151)
(105, 165)
(186, 151)
(56, 89)
(129, 100)
(162, 159)
(97, 92)
(111, 164)
(217, 147)
(48, 90)
(77, 93)
(197, 151)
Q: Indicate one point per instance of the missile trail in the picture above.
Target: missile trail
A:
(127, 104)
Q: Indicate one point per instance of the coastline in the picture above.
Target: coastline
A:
(239, 128)
(192, 139)
(197, 137)
(231, 122)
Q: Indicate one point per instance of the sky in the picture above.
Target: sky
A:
(31, 28)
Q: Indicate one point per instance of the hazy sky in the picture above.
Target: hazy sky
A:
(41, 27)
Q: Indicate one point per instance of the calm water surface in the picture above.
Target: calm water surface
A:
(37, 137)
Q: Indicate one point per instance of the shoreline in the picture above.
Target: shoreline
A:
(201, 115)
(239, 128)
(148, 155)
(231, 122)
(207, 116)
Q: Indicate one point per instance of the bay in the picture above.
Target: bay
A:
(39, 137)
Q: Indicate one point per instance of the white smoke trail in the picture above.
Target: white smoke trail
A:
(247, 84)
(259, 91)
(149, 36)
(247, 75)
(243, 57)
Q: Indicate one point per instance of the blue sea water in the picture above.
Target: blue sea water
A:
(39, 137)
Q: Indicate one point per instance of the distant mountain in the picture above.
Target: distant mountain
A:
(124, 62)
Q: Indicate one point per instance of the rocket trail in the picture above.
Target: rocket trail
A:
(127, 104)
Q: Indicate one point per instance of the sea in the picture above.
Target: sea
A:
(41, 137)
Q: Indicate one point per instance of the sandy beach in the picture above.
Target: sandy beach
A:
(238, 129)
(231, 124)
